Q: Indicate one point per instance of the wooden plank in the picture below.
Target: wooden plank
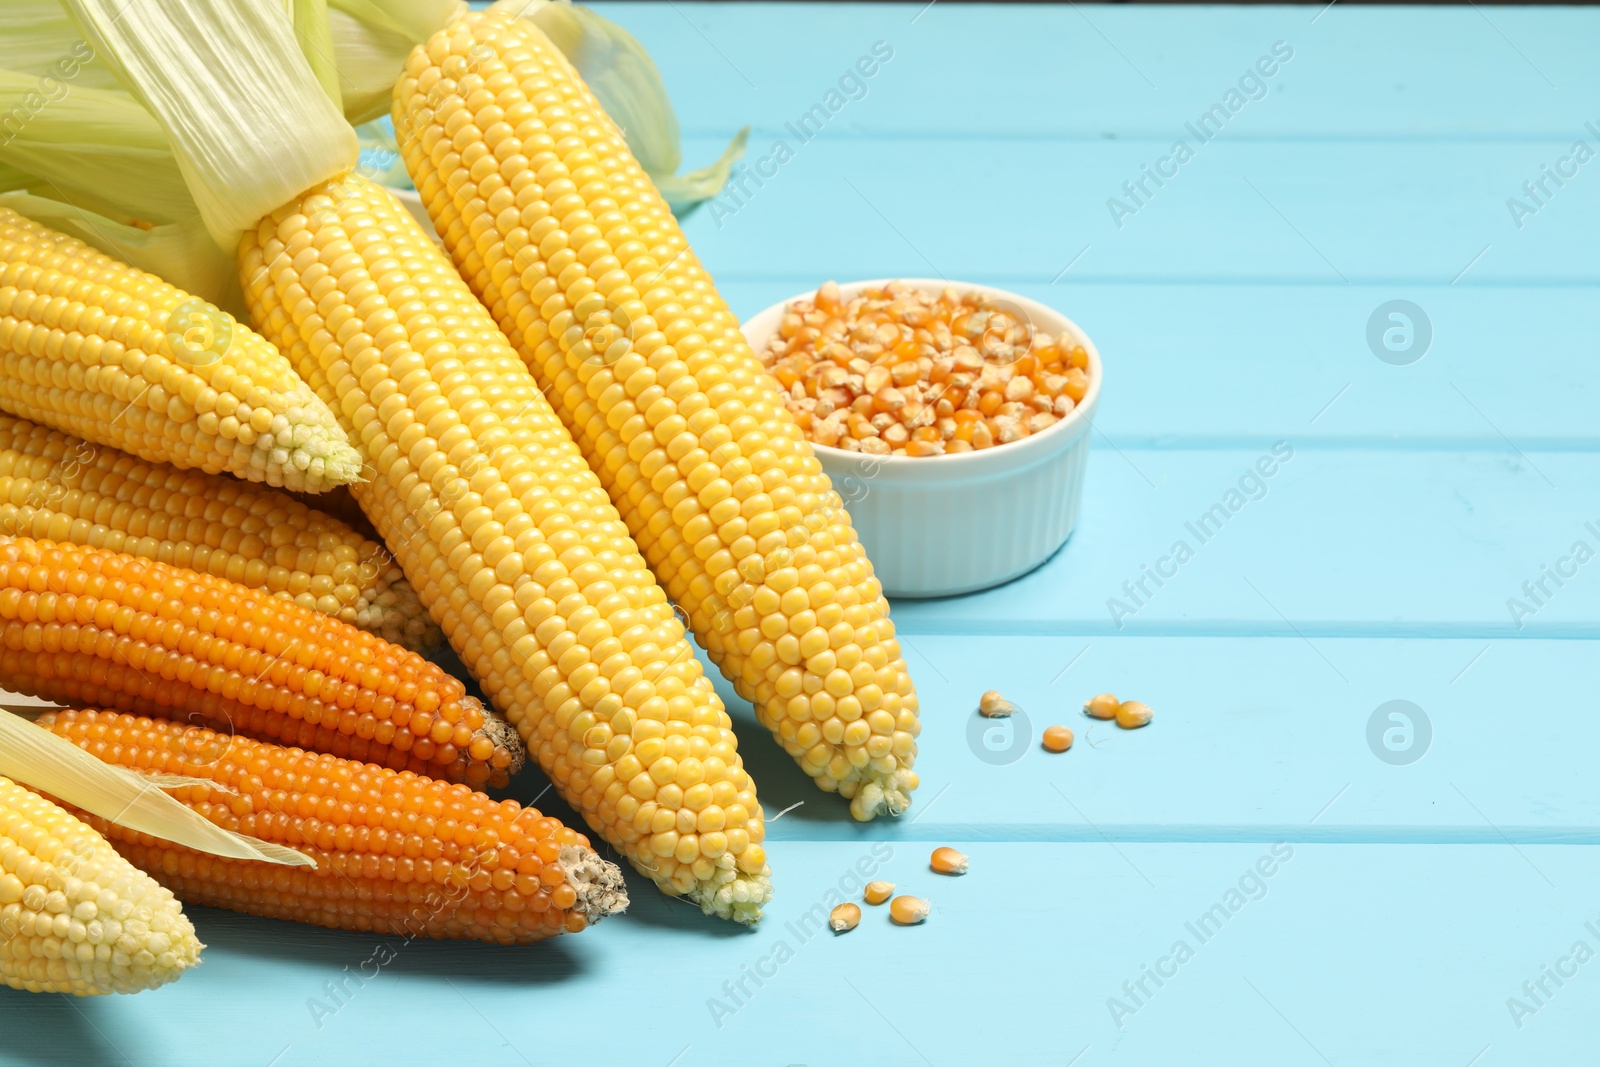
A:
(1025, 953)
(1329, 212)
(1334, 543)
(1254, 739)
(1093, 71)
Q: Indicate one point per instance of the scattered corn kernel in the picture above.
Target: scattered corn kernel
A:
(1103, 706)
(1131, 714)
(908, 911)
(919, 362)
(844, 917)
(878, 892)
(1058, 738)
(994, 706)
(947, 860)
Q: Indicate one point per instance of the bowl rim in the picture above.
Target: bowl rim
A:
(1019, 453)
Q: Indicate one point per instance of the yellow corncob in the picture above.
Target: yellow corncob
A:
(75, 917)
(55, 486)
(509, 538)
(562, 235)
(94, 347)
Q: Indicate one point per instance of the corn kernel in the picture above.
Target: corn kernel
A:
(908, 911)
(844, 917)
(1131, 715)
(1058, 738)
(1103, 706)
(947, 860)
(878, 892)
(994, 706)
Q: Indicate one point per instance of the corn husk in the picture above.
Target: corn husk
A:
(371, 40)
(200, 69)
(39, 40)
(95, 164)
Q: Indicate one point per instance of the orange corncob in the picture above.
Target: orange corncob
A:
(83, 625)
(396, 853)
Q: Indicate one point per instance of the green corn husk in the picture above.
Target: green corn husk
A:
(90, 160)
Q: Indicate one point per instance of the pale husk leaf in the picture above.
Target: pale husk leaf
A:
(38, 758)
(246, 118)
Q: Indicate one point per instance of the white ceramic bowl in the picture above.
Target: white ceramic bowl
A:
(941, 525)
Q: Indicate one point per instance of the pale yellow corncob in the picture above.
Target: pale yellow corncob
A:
(116, 356)
(75, 917)
(509, 538)
(562, 235)
(56, 486)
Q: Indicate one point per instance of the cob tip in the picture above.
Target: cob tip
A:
(502, 735)
(317, 459)
(739, 899)
(598, 883)
(886, 795)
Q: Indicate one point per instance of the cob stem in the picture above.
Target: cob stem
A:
(597, 883)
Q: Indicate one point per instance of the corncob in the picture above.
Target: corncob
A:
(91, 346)
(55, 486)
(395, 853)
(84, 625)
(75, 917)
(560, 233)
(509, 538)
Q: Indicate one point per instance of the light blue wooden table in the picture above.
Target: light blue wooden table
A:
(1413, 891)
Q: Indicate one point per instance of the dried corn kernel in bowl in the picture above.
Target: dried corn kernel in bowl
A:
(898, 371)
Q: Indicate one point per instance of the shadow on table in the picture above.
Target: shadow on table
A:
(59, 1031)
(649, 906)
(336, 950)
